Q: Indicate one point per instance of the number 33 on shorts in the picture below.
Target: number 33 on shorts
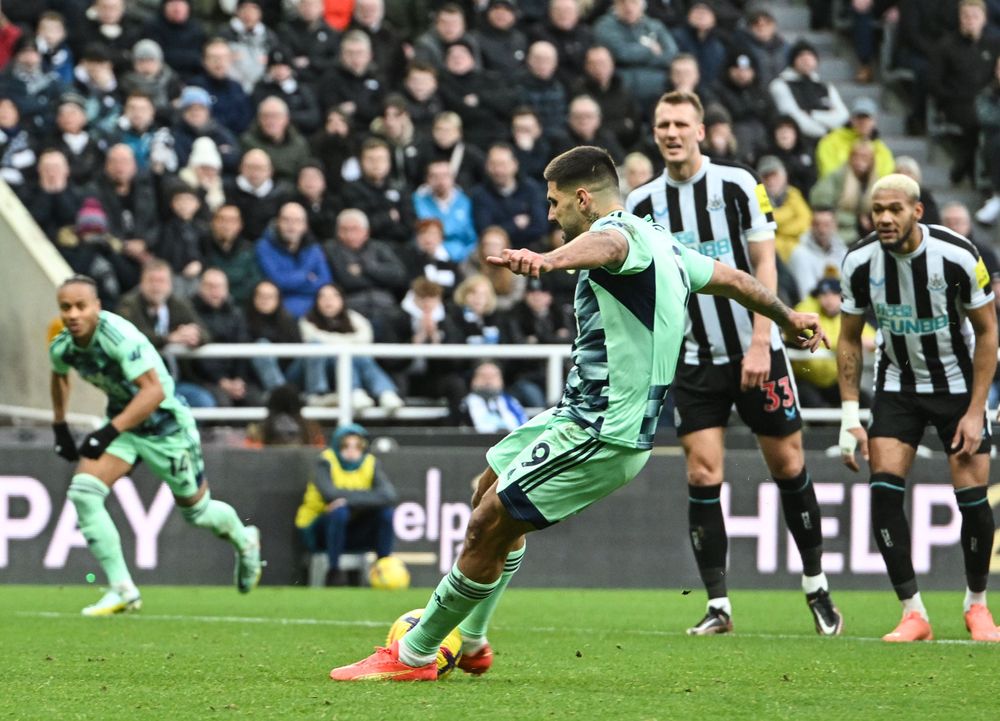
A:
(772, 400)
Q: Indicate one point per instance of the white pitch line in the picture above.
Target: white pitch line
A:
(381, 624)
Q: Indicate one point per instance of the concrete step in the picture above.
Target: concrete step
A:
(836, 70)
(916, 148)
(891, 124)
(791, 18)
(826, 43)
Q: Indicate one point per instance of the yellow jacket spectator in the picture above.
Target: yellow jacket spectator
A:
(847, 191)
(791, 211)
(816, 378)
(348, 505)
(834, 148)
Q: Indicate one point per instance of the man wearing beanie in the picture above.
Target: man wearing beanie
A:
(816, 106)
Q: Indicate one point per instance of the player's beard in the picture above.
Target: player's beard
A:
(896, 245)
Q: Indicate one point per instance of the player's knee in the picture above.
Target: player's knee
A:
(195, 513)
(485, 528)
(700, 474)
(86, 492)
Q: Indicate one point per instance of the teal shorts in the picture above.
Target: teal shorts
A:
(174, 458)
(550, 468)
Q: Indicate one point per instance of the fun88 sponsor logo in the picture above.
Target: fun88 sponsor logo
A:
(712, 248)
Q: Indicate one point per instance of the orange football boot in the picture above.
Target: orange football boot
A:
(477, 663)
(384, 665)
(979, 621)
(913, 627)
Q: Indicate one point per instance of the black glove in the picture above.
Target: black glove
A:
(65, 446)
(97, 442)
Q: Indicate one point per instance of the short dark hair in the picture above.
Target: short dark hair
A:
(374, 142)
(680, 97)
(79, 279)
(584, 166)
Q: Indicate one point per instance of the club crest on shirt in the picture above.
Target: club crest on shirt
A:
(715, 203)
(937, 284)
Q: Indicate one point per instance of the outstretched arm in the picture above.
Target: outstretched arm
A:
(748, 291)
(593, 249)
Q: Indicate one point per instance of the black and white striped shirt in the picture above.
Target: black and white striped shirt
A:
(716, 212)
(919, 301)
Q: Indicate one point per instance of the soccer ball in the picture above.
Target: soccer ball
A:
(448, 653)
(389, 574)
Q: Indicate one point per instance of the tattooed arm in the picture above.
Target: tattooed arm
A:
(849, 360)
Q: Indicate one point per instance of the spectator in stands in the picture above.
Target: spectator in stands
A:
(467, 162)
(230, 104)
(798, 91)
(395, 127)
(85, 150)
(819, 253)
(720, 142)
(440, 199)
(641, 46)
(487, 408)
(17, 154)
(229, 251)
(284, 424)
(988, 117)
(9, 34)
(311, 41)
(129, 198)
(329, 321)
(351, 84)
(227, 379)
(791, 211)
(151, 76)
(273, 133)
(533, 149)
(203, 174)
(835, 147)
(816, 378)
(786, 145)
(256, 193)
(51, 41)
(481, 99)
(182, 237)
(280, 81)
(684, 76)
(501, 43)
(449, 28)
(420, 93)
(618, 107)
(348, 505)
(747, 101)
(268, 321)
(386, 204)
(922, 24)
(137, 127)
(571, 37)
(535, 319)
(955, 216)
(637, 170)
(251, 42)
(97, 84)
(515, 204)
(166, 318)
(289, 257)
(88, 248)
(333, 146)
(428, 257)
(763, 41)
(33, 90)
(474, 313)
(701, 37)
(430, 324)
(196, 121)
(847, 192)
(107, 23)
(962, 64)
(584, 126)
(54, 201)
(179, 35)
(370, 273)
(387, 45)
(312, 195)
(908, 166)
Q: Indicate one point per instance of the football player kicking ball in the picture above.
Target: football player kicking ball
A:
(145, 421)
(630, 309)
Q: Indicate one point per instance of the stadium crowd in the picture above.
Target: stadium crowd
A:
(337, 171)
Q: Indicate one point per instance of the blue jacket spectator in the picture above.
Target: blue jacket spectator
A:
(179, 35)
(642, 48)
(289, 259)
(195, 122)
(700, 37)
(33, 90)
(515, 204)
(441, 199)
(231, 106)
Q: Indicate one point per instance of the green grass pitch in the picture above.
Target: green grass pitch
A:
(208, 653)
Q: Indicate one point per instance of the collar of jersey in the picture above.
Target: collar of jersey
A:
(919, 249)
(705, 162)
